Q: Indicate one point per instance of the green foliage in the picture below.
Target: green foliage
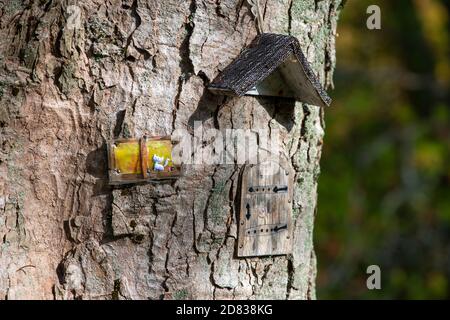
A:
(181, 294)
(384, 195)
(218, 203)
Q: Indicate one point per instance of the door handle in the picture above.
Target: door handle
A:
(278, 228)
(248, 215)
(278, 189)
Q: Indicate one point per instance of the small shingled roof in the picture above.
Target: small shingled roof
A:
(265, 54)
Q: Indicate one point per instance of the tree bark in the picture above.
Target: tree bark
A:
(75, 74)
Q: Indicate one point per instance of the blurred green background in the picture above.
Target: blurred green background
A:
(384, 195)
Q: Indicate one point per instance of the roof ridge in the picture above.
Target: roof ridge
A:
(265, 54)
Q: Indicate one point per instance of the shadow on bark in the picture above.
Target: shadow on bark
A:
(208, 107)
(97, 166)
(280, 109)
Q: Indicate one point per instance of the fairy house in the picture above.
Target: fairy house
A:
(273, 65)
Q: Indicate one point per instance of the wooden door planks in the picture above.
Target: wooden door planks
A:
(265, 220)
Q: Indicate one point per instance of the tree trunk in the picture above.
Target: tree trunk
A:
(75, 74)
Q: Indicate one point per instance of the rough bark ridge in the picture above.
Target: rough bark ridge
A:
(125, 68)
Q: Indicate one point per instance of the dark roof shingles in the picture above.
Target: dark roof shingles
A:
(266, 52)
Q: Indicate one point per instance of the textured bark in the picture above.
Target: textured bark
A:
(132, 67)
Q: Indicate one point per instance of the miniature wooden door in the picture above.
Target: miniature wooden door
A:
(266, 209)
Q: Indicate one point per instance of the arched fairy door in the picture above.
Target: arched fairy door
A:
(266, 209)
